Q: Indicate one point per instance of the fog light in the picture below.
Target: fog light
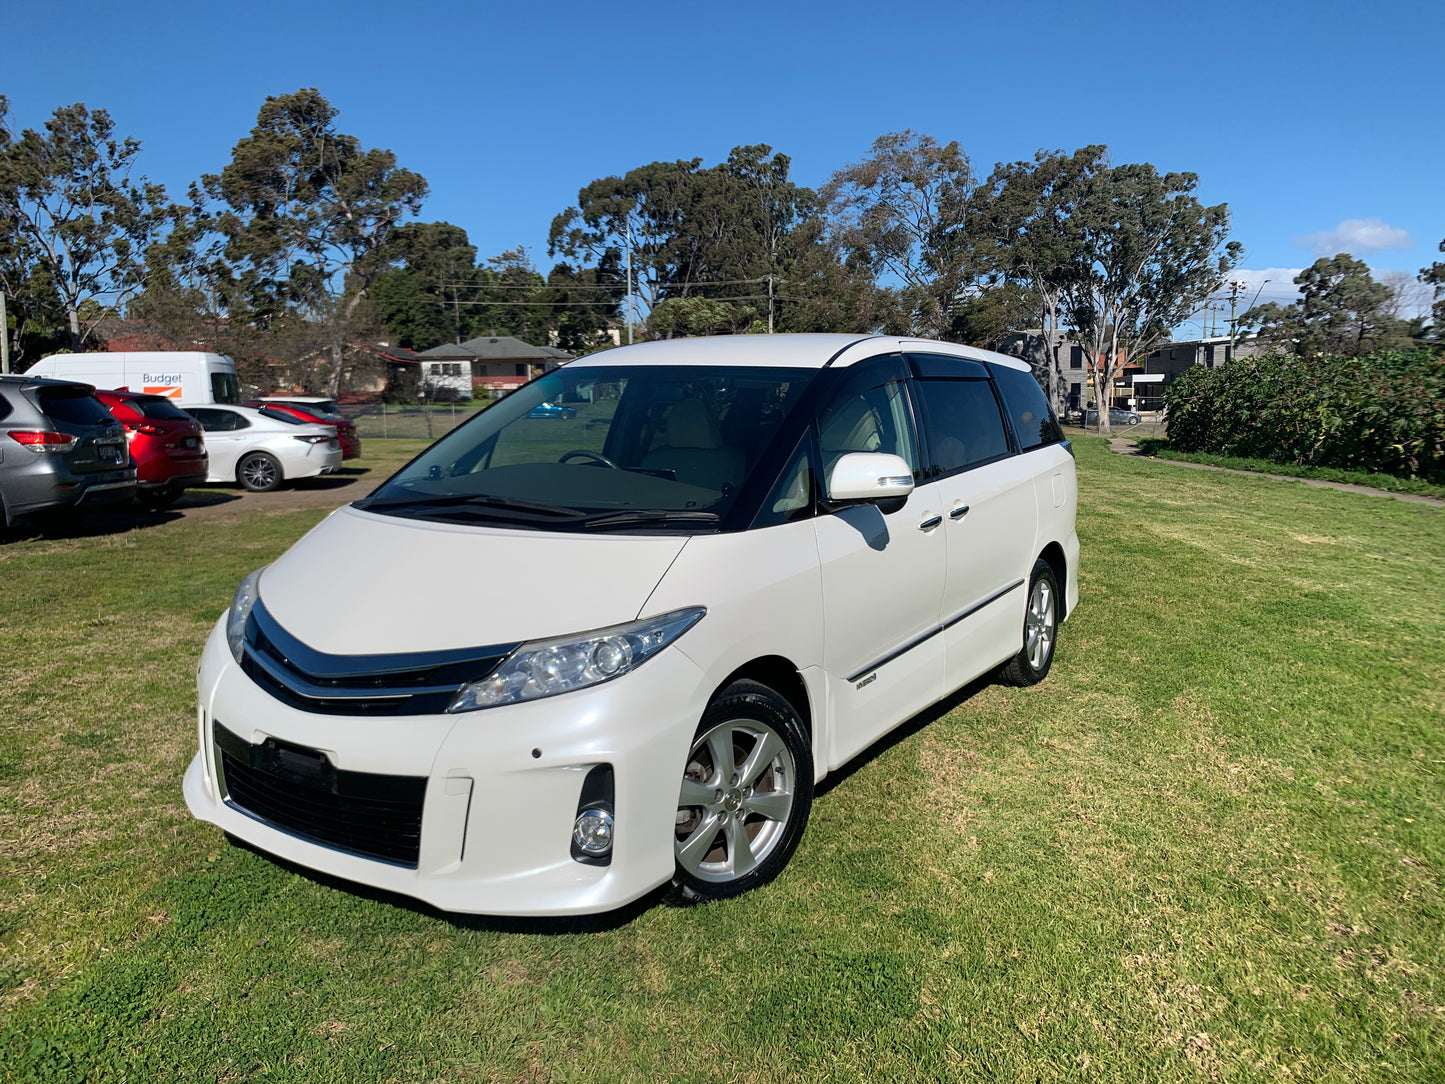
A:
(593, 832)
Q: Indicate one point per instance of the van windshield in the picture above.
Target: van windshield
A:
(602, 447)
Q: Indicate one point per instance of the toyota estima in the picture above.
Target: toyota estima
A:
(566, 658)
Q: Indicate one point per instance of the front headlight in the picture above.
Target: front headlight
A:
(241, 604)
(548, 667)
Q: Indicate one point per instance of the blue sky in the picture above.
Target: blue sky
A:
(1321, 124)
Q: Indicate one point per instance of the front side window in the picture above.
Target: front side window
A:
(869, 419)
(964, 426)
(599, 446)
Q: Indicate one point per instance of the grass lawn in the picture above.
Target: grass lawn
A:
(1159, 446)
(1208, 847)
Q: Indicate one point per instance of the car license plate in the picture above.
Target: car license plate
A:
(107, 453)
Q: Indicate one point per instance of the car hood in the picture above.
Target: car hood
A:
(361, 583)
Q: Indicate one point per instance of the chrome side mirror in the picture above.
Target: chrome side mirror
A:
(870, 477)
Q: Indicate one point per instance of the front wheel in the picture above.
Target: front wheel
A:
(747, 789)
(1041, 629)
(259, 472)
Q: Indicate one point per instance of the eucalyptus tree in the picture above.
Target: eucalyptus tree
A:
(1023, 230)
(902, 210)
(722, 232)
(74, 224)
(1145, 253)
(308, 214)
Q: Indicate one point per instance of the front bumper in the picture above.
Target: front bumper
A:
(502, 785)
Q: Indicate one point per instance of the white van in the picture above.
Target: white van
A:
(186, 377)
(618, 624)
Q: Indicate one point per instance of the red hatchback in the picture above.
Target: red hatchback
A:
(316, 411)
(166, 443)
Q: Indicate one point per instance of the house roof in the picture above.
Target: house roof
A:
(495, 348)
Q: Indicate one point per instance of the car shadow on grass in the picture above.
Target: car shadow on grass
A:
(903, 732)
(563, 924)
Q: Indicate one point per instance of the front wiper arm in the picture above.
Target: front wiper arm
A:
(483, 500)
(647, 518)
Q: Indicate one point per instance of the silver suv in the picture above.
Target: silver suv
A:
(59, 447)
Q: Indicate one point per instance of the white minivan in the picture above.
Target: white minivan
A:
(609, 634)
(186, 377)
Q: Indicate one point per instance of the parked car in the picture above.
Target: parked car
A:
(318, 412)
(260, 449)
(182, 376)
(59, 448)
(1116, 417)
(773, 551)
(166, 445)
(552, 410)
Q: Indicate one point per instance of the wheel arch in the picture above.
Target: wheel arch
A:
(1053, 553)
(780, 675)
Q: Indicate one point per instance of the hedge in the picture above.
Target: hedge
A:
(1383, 412)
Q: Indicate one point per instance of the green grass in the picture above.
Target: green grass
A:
(1159, 446)
(1208, 847)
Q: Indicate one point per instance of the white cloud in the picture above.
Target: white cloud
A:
(1357, 236)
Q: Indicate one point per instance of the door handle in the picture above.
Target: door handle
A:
(930, 523)
(958, 513)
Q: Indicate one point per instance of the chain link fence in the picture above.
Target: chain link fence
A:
(379, 421)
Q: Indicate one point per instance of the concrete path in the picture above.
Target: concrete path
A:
(1126, 446)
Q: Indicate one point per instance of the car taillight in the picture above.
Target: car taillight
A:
(146, 428)
(42, 440)
(312, 440)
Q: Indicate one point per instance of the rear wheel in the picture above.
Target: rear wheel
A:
(259, 472)
(747, 790)
(1041, 629)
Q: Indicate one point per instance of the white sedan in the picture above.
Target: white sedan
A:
(263, 448)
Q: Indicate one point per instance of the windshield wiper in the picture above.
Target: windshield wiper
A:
(478, 500)
(651, 517)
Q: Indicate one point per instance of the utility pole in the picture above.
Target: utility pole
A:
(4, 336)
(770, 304)
(629, 280)
(1235, 286)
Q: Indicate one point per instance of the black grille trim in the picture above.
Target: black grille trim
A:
(417, 683)
(298, 791)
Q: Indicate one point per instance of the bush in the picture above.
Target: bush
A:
(1382, 412)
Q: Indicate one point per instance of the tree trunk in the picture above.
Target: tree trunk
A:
(74, 314)
(336, 355)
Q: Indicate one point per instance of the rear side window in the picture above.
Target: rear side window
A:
(281, 416)
(220, 421)
(74, 409)
(161, 410)
(1033, 419)
(963, 424)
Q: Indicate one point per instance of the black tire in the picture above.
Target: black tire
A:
(259, 472)
(763, 796)
(1041, 630)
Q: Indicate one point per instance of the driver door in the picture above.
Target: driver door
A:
(883, 570)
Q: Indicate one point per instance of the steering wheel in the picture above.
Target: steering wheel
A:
(597, 458)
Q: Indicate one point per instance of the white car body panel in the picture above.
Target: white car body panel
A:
(584, 583)
(298, 459)
(877, 613)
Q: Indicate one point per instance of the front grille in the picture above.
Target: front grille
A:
(417, 683)
(298, 791)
